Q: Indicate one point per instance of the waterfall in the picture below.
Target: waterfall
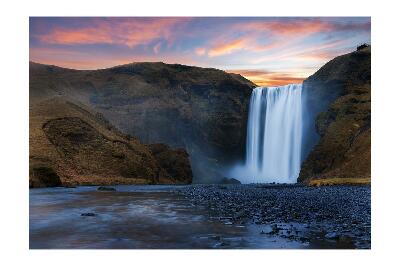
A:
(274, 134)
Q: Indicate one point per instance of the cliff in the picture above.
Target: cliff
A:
(338, 104)
(70, 144)
(201, 110)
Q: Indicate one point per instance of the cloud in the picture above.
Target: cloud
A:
(268, 78)
(124, 31)
(276, 44)
(301, 26)
(82, 36)
(314, 52)
(200, 51)
(157, 47)
(241, 44)
(264, 36)
(227, 48)
(281, 34)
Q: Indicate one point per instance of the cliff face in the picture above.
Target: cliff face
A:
(202, 110)
(72, 145)
(338, 106)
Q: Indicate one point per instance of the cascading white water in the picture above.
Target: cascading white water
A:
(274, 133)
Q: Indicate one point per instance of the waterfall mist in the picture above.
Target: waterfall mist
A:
(274, 136)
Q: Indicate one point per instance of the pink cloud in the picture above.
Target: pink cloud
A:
(157, 47)
(299, 27)
(117, 31)
(227, 48)
(200, 51)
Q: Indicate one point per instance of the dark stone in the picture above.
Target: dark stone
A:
(362, 46)
(175, 163)
(89, 214)
(106, 189)
(43, 176)
(331, 235)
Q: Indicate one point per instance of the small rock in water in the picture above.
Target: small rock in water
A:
(88, 214)
(218, 238)
(331, 235)
(106, 189)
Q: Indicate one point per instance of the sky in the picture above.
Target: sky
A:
(270, 51)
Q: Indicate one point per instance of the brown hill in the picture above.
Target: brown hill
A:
(338, 98)
(69, 144)
(203, 110)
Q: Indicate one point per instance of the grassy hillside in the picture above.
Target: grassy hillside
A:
(71, 144)
(343, 151)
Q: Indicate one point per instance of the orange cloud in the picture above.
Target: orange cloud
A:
(222, 49)
(117, 31)
(266, 78)
(82, 36)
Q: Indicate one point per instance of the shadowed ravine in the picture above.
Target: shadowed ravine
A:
(199, 217)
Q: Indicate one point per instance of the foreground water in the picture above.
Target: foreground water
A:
(149, 217)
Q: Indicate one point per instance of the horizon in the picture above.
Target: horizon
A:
(269, 51)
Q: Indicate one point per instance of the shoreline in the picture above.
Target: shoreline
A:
(340, 214)
(311, 183)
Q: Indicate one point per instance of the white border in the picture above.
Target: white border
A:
(14, 131)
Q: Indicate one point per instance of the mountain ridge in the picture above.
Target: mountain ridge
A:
(202, 110)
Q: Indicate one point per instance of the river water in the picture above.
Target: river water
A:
(134, 217)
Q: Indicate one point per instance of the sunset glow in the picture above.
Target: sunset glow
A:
(268, 51)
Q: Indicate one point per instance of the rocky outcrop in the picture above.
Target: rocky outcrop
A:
(73, 145)
(44, 176)
(173, 163)
(338, 105)
(202, 110)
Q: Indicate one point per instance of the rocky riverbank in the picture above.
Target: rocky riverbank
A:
(331, 217)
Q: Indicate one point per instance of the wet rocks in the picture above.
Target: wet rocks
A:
(329, 213)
